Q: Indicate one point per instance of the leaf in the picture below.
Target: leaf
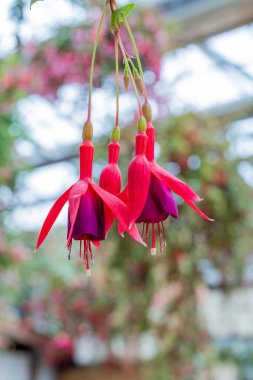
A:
(119, 16)
(33, 2)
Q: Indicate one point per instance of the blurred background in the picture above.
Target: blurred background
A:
(187, 313)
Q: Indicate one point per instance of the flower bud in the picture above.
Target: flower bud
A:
(147, 111)
(88, 131)
(138, 81)
(115, 136)
(142, 124)
(126, 78)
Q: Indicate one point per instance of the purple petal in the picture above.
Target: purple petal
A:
(159, 204)
(90, 219)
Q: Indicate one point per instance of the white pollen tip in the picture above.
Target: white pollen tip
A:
(153, 251)
(164, 244)
(88, 272)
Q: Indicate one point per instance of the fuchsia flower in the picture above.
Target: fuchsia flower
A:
(148, 192)
(110, 180)
(91, 210)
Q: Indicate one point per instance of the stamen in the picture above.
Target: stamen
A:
(69, 249)
(85, 252)
(87, 257)
(146, 233)
(160, 237)
(153, 247)
(164, 236)
(142, 232)
(91, 255)
(80, 250)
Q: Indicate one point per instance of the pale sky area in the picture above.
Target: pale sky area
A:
(190, 78)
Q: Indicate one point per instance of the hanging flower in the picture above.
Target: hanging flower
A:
(110, 180)
(90, 212)
(148, 193)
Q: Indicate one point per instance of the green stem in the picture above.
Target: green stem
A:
(117, 78)
(132, 64)
(131, 75)
(93, 59)
(136, 54)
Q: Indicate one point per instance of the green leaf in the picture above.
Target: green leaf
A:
(119, 16)
(33, 2)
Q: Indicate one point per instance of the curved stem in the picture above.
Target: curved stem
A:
(131, 62)
(117, 78)
(130, 73)
(136, 55)
(93, 59)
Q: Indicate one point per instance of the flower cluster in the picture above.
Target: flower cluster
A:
(147, 197)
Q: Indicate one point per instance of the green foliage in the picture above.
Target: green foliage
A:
(119, 16)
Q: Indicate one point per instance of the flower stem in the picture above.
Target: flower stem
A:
(117, 77)
(131, 62)
(130, 73)
(136, 54)
(93, 59)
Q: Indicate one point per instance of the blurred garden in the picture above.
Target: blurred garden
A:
(186, 313)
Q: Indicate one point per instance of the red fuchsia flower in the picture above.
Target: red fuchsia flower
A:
(90, 212)
(148, 193)
(110, 179)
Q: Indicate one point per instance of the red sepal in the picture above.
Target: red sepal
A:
(74, 204)
(175, 184)
(78, 189)
(114, 206)
(195, 208)
(52, 216)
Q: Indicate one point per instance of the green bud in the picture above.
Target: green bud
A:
(142, 124)
(138, 82)
(88, 131)
(135, 72)
(147, 111)
(115, 136)
(126, 78)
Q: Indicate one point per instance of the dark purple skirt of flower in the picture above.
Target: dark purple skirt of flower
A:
(90, 220)
(159, 204)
